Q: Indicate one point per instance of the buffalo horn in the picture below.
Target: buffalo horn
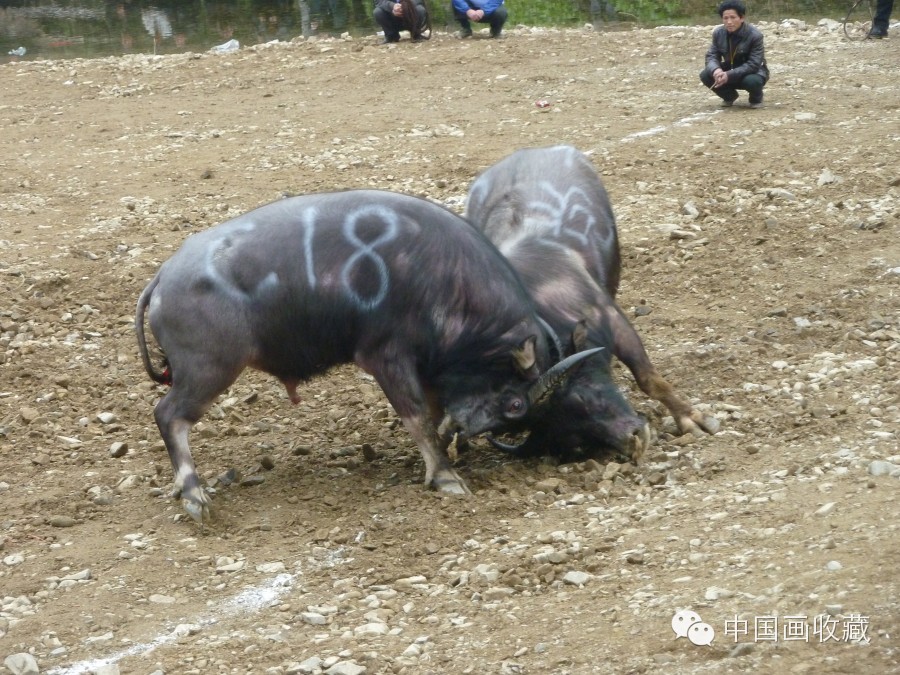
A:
(554, 338)
(541, 390)
(508, 447)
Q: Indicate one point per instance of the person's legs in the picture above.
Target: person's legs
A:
(464, 23)
(496, 19)
(727, 93)
(753, 85)
(882, 18)
(389, 23)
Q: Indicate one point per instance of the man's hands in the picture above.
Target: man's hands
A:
(398, 10)
(475, 14)
(720, 77)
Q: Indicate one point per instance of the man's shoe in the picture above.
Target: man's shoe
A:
(465, 33)
(496, 34)
(390, 40)
(727, 104)
(877, 33)
(755, 106)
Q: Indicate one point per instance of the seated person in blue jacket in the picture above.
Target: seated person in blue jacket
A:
(408, 15)
(481, 11)
(736, 58)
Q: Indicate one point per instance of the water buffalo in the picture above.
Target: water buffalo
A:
(402, 287)
(549, 214)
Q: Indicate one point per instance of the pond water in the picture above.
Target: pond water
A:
(55, 29)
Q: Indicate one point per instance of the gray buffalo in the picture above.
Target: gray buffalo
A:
(549, 214)
(402, 287)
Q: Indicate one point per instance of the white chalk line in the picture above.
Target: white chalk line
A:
(248, 601)
(683, 122)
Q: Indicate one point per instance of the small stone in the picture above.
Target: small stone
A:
(236, 566)
(834, 610)
(22, 664)
(313, 618)
(497, 593)
(371, 629)
(611, 471)
(266, 462)
(635, 558)
(346, 668)
(271, 568)
(825, 509)
(29, 415)
(311, 665)
(252, 481)
(118, 449)
(83, 575)
(549, 485)
(107, 669)
(61, 521)
(576, 578)
(106, 418)
(160, 599)
(882, 468)
(833, 566)
(14, 559)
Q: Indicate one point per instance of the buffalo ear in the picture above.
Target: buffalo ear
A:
(523, 355)
(579, 337)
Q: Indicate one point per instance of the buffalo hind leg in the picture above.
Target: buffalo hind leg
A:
(193, 391)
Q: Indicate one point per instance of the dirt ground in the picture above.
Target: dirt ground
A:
(761, 268)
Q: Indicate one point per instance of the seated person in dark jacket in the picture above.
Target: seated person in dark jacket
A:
(736, 58)
(483, 11)
(408, 15)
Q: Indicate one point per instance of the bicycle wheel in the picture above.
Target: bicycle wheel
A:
(858, 21)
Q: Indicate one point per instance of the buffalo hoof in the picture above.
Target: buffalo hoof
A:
(639, 443)
(699, 424)
(197, 504)
(448, 481)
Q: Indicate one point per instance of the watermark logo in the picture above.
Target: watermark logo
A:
(688, 624)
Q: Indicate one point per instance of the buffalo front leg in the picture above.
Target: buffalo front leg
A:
(419, 413)
(629, 349)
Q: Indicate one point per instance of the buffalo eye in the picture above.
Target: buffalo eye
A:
(515, 408)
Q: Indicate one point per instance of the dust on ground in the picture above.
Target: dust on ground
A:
(760, 246)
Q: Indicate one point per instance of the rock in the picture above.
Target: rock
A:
(577, 578)
(825, 509)
(108, 669)
(346, 668)
(106, 418)
(882, 468)
(160, 599)
(118, 449)
(233, 566)
(611, 470)
(29, 415)
(833, 566)
(313, 618)
(21, 664)
(61, 521)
